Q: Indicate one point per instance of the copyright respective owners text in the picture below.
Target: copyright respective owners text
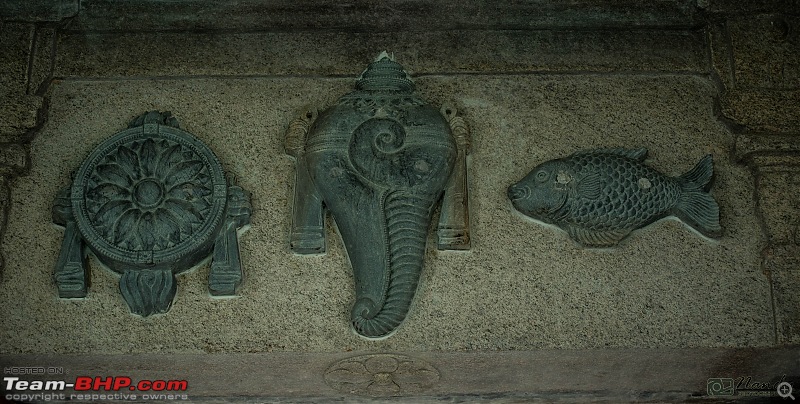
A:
(52, 383)
(748, 386)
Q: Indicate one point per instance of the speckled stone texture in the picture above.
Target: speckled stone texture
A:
(330, 54)
(17, 109)
(371, 16)
(38, 10)
(521, 287)
(526, 315)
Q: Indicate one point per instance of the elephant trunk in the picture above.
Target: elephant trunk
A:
(407, 218)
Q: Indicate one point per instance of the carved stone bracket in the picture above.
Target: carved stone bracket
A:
(778, 202)
(25, 62)
(150, 202)
(755, 58)
(453, 231)
(775, 162)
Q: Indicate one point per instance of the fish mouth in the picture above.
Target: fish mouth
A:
(517, 192)
(557, 208)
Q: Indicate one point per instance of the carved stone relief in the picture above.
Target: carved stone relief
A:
(775, 164)
(150, 202)
(381, 375)
(599, 196)
(379, 160)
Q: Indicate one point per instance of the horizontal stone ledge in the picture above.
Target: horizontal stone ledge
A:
(764, 111)
(371, 16)
(749, 7)
(38, 10)
(751, 145)
(346, 54)
(627, 374)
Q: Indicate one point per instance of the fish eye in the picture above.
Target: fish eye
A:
(542, 176)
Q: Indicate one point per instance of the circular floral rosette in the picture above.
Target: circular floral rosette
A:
(150, 197)
(149, 194)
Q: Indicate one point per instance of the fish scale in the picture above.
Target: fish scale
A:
(623, 203)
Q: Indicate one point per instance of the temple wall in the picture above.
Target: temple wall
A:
(526, 305)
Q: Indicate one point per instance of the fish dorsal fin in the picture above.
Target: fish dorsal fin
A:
(589, 187)
(636, 154)
(596, 238)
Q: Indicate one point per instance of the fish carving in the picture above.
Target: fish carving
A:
(599, 196)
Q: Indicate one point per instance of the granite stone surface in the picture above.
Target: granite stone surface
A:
(371, 16)
(756, 59)
(38, 10)
(526, 315)
(340, 53)
(764, 110)
(19, 112)
(787, 305)
(745, 7)
(41, 65)
(779, 203)
(522, 286)
(658, 375)
(765, 51)
(14, 50)
(17, 109)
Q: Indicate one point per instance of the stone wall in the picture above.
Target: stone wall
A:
(754, 53)
(516, 315)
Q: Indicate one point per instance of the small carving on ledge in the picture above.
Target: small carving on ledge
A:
(382, 375)
(150, 202)
(599, 196)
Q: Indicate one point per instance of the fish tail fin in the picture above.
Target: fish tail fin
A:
(696, 207)
(700, 175)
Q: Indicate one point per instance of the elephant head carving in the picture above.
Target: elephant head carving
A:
(379, 160)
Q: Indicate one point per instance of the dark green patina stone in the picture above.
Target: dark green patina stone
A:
(150, 202)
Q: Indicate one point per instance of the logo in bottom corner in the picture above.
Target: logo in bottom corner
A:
(721, 386)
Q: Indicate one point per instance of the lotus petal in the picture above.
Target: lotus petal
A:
(194, 188)
(147, 157)
(169, 229)
(183, 172)
(169, 214)
(168, 158)
(146, 229)
(108, 190)
(350, 373)
(111, 211)
(383, 389)
(124, 228)
(184, 210)
(128, 160)
(114, 173)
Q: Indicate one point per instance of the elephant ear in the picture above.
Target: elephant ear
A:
(420, 167)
